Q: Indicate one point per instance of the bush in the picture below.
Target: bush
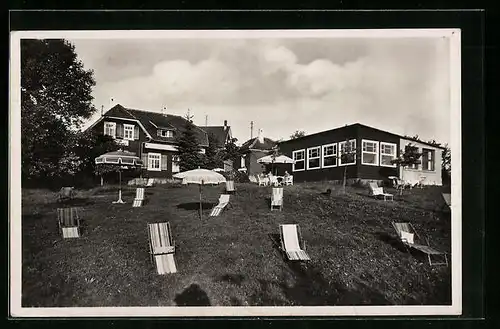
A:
(236, 176)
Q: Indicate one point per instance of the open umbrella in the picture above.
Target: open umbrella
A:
(218, 170)
(200, 177)
(274, 158)
(123, 160)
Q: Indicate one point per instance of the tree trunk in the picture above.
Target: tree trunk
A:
(344, 182)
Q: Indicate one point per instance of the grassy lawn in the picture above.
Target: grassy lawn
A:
(232, 260)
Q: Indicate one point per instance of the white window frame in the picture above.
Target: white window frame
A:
(175, 162)
(429, 154)
(376, 152)
(339, 151)
(313, 158)
(242, 162)
(303, 151)
(157, 156)
(166, 133)
(394, 156)
(335, 154)
(128, 127)
(108, 124)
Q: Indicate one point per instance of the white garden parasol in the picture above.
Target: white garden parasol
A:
(200, 177)
(122, 159)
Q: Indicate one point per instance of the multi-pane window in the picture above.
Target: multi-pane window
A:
(347, 152)
(313, 157)
(369, 154)
(428, 159)
(329, 155)
(110, 129)
(387, 154)
(165, 133)
(300, 162)
(128, 132)
(154, 161)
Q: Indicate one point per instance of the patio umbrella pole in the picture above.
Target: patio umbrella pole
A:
(120, 188)
(200, 202)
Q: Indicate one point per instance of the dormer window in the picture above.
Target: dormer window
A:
(165, 133)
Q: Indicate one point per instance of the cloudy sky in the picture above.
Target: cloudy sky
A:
(282, 85)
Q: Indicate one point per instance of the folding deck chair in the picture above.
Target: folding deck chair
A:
(407, 233)
(230, 186)
(288, 180)
(66, 192)
(377, 191)
(139, 197)
(162, 247)
(290, 242)
(150, 182)
(277, 198)
(223, 202)
(447, 200)
(69, 222)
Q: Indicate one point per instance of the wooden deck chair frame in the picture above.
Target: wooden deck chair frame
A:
(170, 247)
(220, 206)
(426, 249)
(447, 201)
(374, 186)
(302, 242)
(140, 197)
(69, 228)
(280, 205)
(230, 186)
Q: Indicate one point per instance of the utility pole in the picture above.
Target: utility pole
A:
(206, 120)
(251, 129)
(102, 110)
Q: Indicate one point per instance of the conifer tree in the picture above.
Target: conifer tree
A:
(188, 147)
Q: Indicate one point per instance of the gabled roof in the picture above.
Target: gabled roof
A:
(220, 133)
(365, 126)
(255, 144)
(152, 121)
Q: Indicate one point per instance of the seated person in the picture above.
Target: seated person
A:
(286, 174)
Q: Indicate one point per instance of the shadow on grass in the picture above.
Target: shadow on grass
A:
(75, 202)
(391, 240)
(192, 296)
(195, 205)
(236, 279)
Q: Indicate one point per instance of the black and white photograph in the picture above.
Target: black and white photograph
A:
(235, 173)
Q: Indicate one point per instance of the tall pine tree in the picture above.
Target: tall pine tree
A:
(213, 155)
(188, 148)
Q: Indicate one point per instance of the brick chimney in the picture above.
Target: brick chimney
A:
(225, 124)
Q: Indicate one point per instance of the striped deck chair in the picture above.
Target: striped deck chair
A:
(223, 202)
(162, 247)
(230, 186)
(150, 182)
(377, 191)
(290, 242)
(277, 198)
(139, 197)
(447, 200)
(69, 222)
(407, 234)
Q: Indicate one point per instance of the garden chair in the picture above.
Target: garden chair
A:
(150, 182)
(139, 197)
(377, 191)
(230, 186)
(69, 222)
(252, 179)
(66, 193)
(288, 180)
(223, 202)
(162, 247)
(447, 200)
(263, 181)
(291, 239)
(277, 198)
(407, 234)
(273, 181)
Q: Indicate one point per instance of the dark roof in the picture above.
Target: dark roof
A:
(362, 125)
(219, 132)
(256, 145)
(153, 120)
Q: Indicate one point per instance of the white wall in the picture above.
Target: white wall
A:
(414, 175)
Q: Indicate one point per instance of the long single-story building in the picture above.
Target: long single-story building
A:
(319, 156)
